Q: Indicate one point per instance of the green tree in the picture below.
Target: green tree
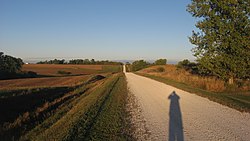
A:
(184, 64)
(222, 44)
(161, 62)
(9, 65)
(138, 65)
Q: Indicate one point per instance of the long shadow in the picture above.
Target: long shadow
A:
(175, 119)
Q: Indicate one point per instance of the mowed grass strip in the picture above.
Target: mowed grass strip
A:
(110, 123)
(81, 116)
(238, 101)
(111, 68)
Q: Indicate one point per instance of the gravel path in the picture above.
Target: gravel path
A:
(172, 114)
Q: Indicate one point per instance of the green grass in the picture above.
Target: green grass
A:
(29, 108)
(38, 131)
(98, 114)
(237, 101)
(111, 68)
(110, 124)
(32, 107)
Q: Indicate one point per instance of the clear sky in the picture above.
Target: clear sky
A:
(100, 29)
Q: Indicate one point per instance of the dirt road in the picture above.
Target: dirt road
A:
(175, 115)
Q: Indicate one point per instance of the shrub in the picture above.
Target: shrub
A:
(138, 65)
(161, 62)
(160, 69)
(63, 72)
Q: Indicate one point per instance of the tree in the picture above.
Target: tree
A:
(222, 46)
(9, 65)
(139, 64)
(183, 64)
(161, 62)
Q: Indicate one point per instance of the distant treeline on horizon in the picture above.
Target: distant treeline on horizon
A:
(80, 62)
(36, 61)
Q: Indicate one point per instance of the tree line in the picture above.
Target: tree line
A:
(80, 62)
(141, 64)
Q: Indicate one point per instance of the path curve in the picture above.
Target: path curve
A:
(173, 114)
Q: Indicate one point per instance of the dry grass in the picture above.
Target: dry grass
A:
(52, 69)
(42, 82)
(180, 75)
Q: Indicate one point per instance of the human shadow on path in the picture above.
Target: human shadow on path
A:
(175, 119)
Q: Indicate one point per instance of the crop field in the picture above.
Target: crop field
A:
(53, 69)
(78, 74)
(65, 107)
(42, 82)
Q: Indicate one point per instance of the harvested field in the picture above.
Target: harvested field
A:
(52, 69)
(42, 82)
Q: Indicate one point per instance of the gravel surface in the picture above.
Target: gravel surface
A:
(172, 114)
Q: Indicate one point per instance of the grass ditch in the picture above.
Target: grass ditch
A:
(238, 101)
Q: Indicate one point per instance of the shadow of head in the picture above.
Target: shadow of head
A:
(173, 96)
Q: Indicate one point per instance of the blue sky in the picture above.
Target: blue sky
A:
(100, 29)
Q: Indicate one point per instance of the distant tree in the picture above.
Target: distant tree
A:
(139, 64)
(86, 61)
(92, 61)
(55, 61)
(184, 64)
(9, 65)
(223, 43)
(161, 62)
(80, 62)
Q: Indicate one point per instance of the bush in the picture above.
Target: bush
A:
(161, 62)
(63, 72)
(160, 69)
(28, 74)
(138, 65)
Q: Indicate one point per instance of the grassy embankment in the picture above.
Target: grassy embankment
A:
(238, 100)
(99, 114)
(23, 109)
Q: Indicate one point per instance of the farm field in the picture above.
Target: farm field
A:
(42, 82)
(48, 75)
(52, 69)
(34, 107)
